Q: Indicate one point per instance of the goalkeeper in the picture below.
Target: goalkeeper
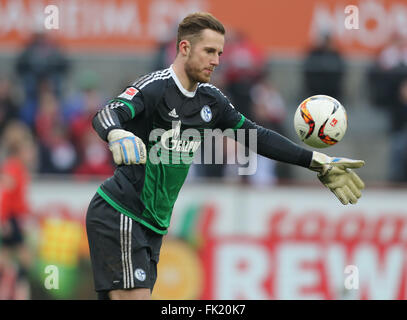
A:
(131, 211)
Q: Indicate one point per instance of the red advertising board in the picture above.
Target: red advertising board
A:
(234, 242)
(277, 26)
(294, 244)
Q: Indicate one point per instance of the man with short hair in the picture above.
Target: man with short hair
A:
(131, 211)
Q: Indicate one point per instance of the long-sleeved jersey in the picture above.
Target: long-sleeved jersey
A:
(172, 122)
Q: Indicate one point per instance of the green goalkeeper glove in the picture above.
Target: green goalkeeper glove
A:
(126, 147)
(337, 175)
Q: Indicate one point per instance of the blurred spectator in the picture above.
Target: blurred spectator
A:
(58, 154)
(395, 54)
(85, 98)
(242, 64)
(166, 49)
(93, 156)
(387, 71)
(268, 104)
(79, 109)
(8, 107)
(268, 111)
(387, 79)
(41, 61)
(398, 138)
(323, 69)
(95, 161)
(166, 52)
(20, 158)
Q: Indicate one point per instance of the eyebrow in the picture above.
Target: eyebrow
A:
(213, 49)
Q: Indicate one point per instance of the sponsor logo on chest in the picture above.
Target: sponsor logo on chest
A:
(179, 142)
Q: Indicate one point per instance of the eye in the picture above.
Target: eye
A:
(210, 50)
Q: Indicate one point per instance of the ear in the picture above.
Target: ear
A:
(184, 47)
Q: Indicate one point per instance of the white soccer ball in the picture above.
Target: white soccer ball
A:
(320, 121)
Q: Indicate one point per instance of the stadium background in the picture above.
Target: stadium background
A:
(278, 236)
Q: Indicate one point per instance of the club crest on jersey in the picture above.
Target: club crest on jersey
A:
(140, 274)
(206, 113)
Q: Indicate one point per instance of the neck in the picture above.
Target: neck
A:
(179, 70)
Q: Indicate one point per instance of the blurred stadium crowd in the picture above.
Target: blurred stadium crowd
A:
(61, 123)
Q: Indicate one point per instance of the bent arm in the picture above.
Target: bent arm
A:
(117, 112)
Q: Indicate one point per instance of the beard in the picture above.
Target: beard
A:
(194, 73)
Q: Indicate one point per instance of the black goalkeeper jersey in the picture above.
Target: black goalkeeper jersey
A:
(172, 122)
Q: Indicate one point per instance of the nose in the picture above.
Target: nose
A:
(215, 61)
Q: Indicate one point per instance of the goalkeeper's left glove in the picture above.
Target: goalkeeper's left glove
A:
(337, 175)
(126, 147)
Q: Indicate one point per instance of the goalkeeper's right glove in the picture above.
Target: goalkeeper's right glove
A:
(126, 147)
(337, 175)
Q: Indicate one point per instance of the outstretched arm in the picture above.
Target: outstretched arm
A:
(334, 172)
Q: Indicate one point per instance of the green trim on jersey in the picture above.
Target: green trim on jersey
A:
(133, 113)
(126, 212)
(240, 123)
(160, 191)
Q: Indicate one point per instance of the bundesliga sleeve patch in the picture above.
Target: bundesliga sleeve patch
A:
(129, 93)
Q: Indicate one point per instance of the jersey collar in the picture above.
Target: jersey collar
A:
(189, 94)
